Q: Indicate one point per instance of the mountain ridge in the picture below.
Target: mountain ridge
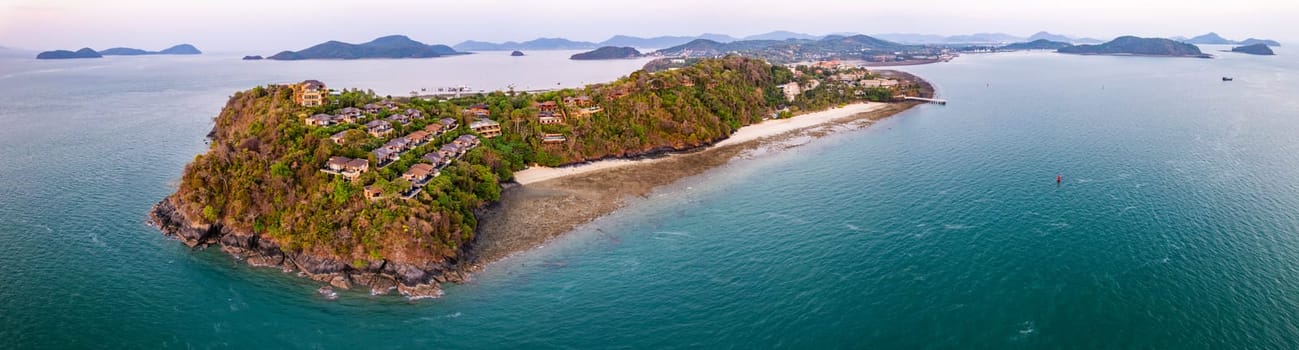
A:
(391, 46)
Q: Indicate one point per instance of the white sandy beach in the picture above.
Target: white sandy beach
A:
(748, 133)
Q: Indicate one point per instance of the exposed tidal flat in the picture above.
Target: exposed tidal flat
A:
(941, 228)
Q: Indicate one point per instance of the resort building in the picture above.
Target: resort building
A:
(378, 128)
(322, 120)
(486, 127)
(450, 150)
(434, 128)
(419, 137)
(310, 93)
(548, 106)
(373, 192)
(466, 141)
(413, 113)
(878, 83)
(351, 115)
(348, 167)
(383, 156)
(372, 108)
(339, 137)
(399, 118)
(549, 118)
(419, 174)
(397, 145)
(436, 158)
(478, 110)
(578, 101)
(448, 124)
(388, 104)
(588, 111)
(553, 138)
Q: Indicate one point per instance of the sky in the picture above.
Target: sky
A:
(269, 26)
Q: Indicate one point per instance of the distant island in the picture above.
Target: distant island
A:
(252, 58)
(1039, 44)
(182, 49)
(566, 44)
(1212, 38)
(873, 50)
(516, 53)
(392, 46)
(84, 52)
(531, 45)
(608, 53)
(980, 38)
(1252, 41)
(1255, 49)
(1131, 45)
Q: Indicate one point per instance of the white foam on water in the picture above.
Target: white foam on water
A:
(675, 233)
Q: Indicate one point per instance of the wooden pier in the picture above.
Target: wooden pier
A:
(927, 100)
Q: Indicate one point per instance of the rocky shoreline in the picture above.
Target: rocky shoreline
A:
(381, 277)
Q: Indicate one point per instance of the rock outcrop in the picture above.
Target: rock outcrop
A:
(381, 276)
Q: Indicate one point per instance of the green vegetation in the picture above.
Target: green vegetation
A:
(263, 175)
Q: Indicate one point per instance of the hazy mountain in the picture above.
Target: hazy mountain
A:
(84, 52)
(392, 46)
(1131, 45)
(781, 35)
(913, 38)
(535, 44)
(1252, 41)
(1209, 39)
(1039, 44)
(182, 49)
(1049, 37)
(980, 38)
(555, 44)
(721, 38)
(984, 38)
(784, 49)
(608, 53)
(1212, 38)
(655, 42)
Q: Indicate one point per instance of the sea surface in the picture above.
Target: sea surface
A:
(1176, 224)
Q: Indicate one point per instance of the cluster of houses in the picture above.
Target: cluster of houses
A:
(421, 173)
(349, 115)
(392, 150)
(312, 93)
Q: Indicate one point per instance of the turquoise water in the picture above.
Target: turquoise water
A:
(1176, 226)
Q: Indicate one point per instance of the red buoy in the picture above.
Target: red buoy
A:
(1058, 178)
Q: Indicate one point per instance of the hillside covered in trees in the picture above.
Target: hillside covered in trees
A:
(261, 194)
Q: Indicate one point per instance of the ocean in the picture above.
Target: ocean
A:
(1176, 224)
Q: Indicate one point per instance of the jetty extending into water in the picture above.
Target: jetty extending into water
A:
(927, 100)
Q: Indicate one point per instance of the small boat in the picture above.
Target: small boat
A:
(1227, 78)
